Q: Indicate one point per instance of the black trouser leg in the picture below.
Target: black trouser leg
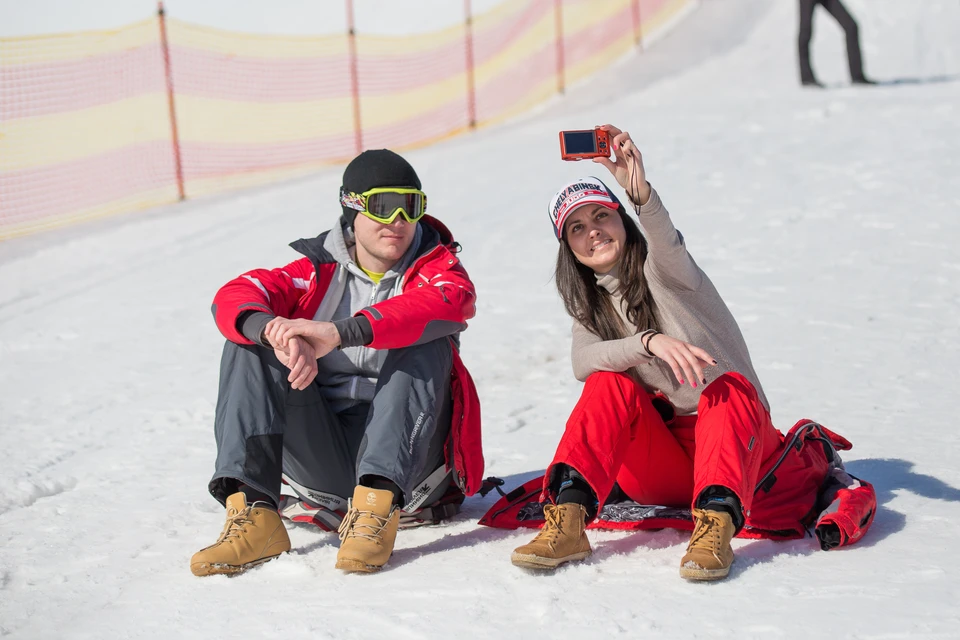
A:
(803, 39)
(850, 28)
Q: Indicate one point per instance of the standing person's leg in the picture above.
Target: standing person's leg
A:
(734, 435)
(614, 420)
(803, 40)
(403, 443)
(852, 31)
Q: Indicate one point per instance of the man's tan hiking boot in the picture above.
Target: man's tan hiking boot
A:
(561, 539)
(252, 535)
(709, 555)
(369, 531)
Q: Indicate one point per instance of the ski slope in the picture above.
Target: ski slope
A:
(827, 219)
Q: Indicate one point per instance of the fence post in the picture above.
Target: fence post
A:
(471, 88)
(637, 29)
(354, 80)
(558, 14)
(165, 47)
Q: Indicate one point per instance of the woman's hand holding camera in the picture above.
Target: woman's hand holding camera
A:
(627, 165)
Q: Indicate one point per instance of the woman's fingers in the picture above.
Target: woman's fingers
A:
(606, 162)
(688, 371)
(683, 365)
(678, 374)
(676, 363)
(612, 130)
(704, 357)
(685, 360)
(619, 145)
(694, 365)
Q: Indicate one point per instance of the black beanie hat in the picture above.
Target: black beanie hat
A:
(376, 168)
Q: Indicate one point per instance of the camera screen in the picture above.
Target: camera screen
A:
(580, 141)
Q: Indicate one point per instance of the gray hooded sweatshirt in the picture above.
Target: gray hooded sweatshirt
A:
(348, 376)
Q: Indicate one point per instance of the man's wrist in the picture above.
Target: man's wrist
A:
(353, 332)
(335, 334)
(265, 340)
(253, 324)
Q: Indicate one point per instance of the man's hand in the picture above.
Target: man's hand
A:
(323, 337)
(685, 359)
(300, 357)
(627, 165)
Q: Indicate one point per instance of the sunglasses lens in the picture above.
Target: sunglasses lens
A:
(382, 205)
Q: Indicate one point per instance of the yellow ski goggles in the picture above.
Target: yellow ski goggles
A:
(384, 204)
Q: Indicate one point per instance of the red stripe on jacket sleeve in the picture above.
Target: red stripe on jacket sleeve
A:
(439, 294)
(275, 291)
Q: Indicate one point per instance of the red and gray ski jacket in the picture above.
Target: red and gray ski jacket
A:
(436, 291)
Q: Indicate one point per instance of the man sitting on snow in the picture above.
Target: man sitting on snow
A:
(340, 376)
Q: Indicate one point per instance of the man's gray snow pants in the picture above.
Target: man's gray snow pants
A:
(265, 429)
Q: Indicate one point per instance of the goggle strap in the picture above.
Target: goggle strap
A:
(352, 200)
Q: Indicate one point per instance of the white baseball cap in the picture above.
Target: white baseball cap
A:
(572, 196)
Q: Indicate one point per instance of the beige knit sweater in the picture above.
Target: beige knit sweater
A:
(690, 309)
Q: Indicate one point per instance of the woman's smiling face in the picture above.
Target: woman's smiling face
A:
(596, 236)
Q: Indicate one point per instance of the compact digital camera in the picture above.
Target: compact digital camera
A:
(584, 144)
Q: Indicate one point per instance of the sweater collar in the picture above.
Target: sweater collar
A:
(609, 280)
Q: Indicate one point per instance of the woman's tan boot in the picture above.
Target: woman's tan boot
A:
(709, 554)
(561, 539)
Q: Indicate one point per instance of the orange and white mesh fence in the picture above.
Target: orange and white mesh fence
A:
(103, 122)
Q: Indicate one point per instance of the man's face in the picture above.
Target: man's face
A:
(384, 243)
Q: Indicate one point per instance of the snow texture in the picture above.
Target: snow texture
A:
(828, 220)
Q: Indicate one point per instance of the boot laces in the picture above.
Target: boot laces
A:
(350, 527)
(552, 527)
(234, 525)
(708, 533)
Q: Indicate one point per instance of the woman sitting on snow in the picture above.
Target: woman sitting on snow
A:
(672, 411)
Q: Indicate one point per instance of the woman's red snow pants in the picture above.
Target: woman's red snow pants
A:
(616, 435)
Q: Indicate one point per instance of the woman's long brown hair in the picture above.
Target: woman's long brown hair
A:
(590, 304)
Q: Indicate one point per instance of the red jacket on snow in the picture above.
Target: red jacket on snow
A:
(435, 287)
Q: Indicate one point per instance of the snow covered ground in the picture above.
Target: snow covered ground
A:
(828, 219)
